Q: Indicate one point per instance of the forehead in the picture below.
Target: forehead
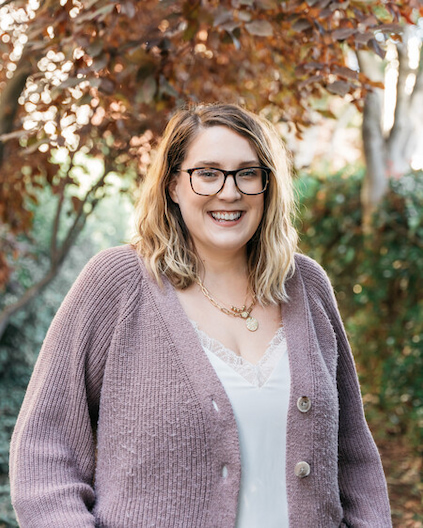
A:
(221, 145)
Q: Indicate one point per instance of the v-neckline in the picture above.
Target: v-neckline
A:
(279, 336)
(256, 374)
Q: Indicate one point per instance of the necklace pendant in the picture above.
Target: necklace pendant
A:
(245, 315)
(252, 323)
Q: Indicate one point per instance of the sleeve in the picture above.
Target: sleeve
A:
(362, 483)
(52, 455)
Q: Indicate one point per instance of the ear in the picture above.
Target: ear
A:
(172, 188)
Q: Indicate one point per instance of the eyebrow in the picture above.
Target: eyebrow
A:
(218, 165)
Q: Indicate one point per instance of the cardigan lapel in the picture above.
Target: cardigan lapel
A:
(215, 408)
(299, 448)
(296, 319)
(187, 345)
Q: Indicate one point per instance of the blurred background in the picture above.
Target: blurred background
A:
(86, 87)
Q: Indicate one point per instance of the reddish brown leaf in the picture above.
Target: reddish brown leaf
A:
(374, 45)
(301, 24)
(260, 28)
(339, 88)
(147, 91)
(95, 47)
(343, 33)
(391, 28)
(344, 72)
(76, 203)
(363, 38)
(107, 86)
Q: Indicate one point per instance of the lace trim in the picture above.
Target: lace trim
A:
(256, 374)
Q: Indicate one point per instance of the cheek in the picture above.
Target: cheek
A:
(260, 209)
(174, 189)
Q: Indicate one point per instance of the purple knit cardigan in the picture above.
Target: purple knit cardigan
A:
(118, 428)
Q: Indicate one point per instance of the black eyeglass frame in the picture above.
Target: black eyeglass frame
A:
(227, 173)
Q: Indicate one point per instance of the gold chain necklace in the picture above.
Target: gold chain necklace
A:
(244, 312)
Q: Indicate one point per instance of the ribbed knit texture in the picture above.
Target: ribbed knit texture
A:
(118, 428)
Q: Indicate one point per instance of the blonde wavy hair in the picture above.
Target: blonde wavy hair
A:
(162, 238)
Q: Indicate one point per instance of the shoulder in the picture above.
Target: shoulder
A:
(116, 259)
(314, 278)
(311, 272)
(114, 265)
(108, 277)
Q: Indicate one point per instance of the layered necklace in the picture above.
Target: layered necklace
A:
(244, 312)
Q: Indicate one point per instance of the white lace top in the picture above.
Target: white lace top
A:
(259, 394)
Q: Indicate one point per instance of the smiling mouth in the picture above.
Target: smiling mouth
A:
(227, 216)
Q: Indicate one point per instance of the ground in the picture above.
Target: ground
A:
(403, 469)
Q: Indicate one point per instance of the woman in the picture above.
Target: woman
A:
(200, 377)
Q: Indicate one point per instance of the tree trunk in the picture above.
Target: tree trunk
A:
(376, 182)
(399, 141)
(389, 155)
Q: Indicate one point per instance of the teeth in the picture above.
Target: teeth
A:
(226, 216)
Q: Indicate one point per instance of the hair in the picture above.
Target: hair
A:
(162, 237)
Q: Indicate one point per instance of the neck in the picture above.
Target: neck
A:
(226, 276)
(223, 265)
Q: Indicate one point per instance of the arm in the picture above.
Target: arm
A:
(362, 484)
(52, 457)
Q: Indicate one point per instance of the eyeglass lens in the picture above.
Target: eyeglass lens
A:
(250, 180)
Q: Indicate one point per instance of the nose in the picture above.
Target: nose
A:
(230, 190)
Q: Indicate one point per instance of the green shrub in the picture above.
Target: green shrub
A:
(378, 281)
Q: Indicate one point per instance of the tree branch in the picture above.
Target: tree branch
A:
(58, 256)
(9, 99)
(376, 183)
(56, 224)
(78, 224)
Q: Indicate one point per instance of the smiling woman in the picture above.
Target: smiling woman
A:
(224, 221)
(201, 376)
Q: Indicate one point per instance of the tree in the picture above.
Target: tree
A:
(101, 77)
(388, 147)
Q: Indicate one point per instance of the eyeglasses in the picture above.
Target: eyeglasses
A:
(207, 181)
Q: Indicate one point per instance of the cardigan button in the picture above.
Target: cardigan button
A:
(302, 469)
(303, 404)
(216, 407)
(224, 471)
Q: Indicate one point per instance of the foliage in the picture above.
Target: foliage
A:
(103, 76)
(34, 258)
(22, 341)
(378, 282)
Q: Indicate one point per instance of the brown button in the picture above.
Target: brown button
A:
(304, 404)
(302, 469)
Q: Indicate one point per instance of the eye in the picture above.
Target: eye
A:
(249, 172)
(206, 174)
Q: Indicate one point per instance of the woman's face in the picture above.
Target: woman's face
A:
(222, 148)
